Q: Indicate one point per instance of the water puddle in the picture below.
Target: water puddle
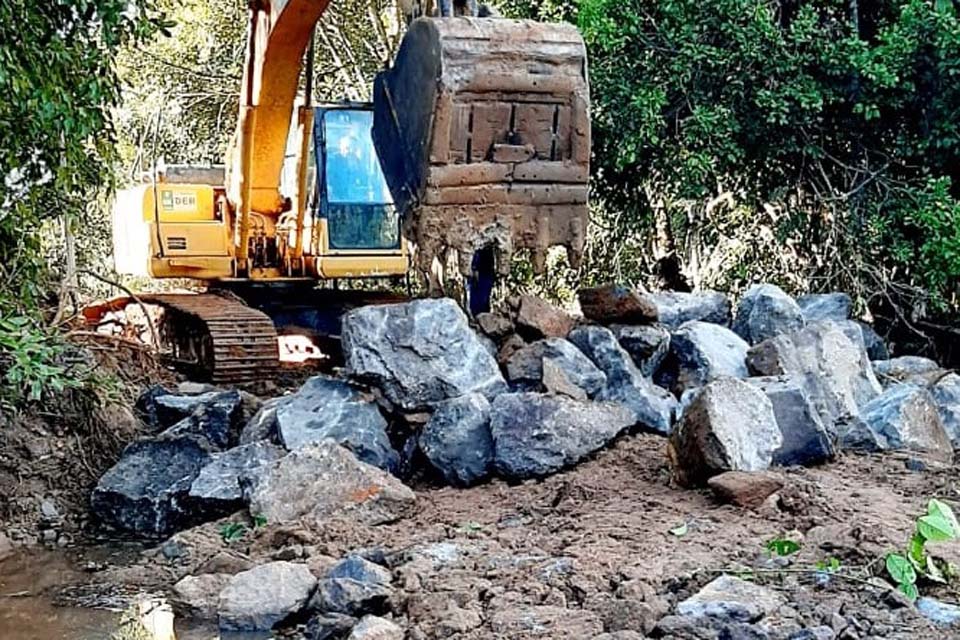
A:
(32, 591)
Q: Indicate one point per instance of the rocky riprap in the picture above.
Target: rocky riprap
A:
(520, 395)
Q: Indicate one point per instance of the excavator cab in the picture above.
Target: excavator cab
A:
(351, 195)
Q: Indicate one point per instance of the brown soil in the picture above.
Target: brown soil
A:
(56, 450)
(592, 546)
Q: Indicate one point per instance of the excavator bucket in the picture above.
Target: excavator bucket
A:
(483, 130)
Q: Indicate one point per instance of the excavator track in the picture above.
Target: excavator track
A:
(214, 337)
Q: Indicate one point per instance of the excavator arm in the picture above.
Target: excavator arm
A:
(279, 33)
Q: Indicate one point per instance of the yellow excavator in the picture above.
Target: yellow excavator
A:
(476, 146)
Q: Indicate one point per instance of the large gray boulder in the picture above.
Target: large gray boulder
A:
(946, 393)
(701, 352)
(916, 369)
(262, 597)
(525, 368)
(729, 425)
(324, 479)
(806, 440)
(354, 586)
(764, 312)
(263, 424)
(817, 307)
(457, 441)
(653, 407)
(147, 491)
(676, 307)
(535, 434)
(418, 353)
(329, 408)
(905, 416)
(832, 367)
(218, 485)
(219, 413)
(648, 345)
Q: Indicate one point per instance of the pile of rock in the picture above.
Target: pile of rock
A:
(777, 382)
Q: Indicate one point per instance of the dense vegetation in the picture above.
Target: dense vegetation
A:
(815, 143)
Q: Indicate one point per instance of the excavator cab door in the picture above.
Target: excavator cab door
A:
(352, 194)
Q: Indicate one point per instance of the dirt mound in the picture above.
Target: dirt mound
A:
(53, 452)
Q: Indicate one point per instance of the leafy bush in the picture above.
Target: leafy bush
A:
(811, 143)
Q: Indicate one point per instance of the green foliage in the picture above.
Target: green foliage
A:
(814, 141)
(782, 546)
(939, 524)
(29, 362)
(58, 85)
(233, 532)
(259, 521)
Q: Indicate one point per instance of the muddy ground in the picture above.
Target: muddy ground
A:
(612, 544)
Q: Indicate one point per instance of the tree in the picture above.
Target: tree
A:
(59, 84)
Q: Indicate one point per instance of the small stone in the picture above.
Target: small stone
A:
(745, 489)
(259, 599)
(49, 511)
(355, 587)
(329, 626)
(731, 599)
(729, 426)
(814, 633)
(616, 304)
(536, 318)
(198, 597)
(940, 613)
(766, 311)
(556, 623)
(494, 325)
(375, 628)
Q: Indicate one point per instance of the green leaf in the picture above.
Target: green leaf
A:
(909, 590)
(933, 572)
(917, 551)
(944, 518)
(782, 547)
(680, 531)
(900, 569)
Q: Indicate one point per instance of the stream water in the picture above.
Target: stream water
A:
(32, 602)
